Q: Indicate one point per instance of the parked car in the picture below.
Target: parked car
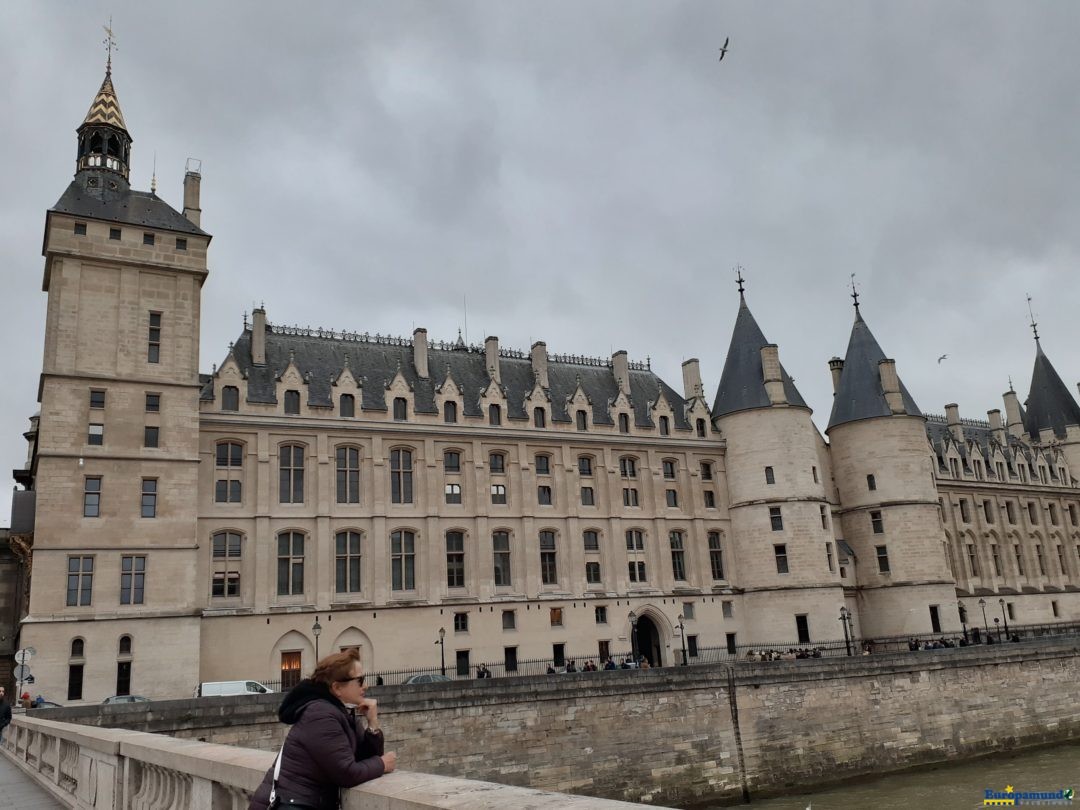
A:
(109, 701)
(427, 677)
(222, 688)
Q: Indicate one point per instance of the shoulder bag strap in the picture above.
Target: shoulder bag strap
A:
(277, 773)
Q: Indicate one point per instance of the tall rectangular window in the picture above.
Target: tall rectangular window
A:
(678, 556)
(230, 398)
(80, 581)
(543, 465)
(1019, 559)
(672, 498)
(510, 659)
(95, 434)
(710, 499)
(500, 544)
(229, 462)
(494, 415)
(780, 553)
(153, 403)
(965, 514)
(770, 476)
(509, 620)
(348, 475)
(1040, 560)
(453, 493)
(877, 523)
(549, 572)
(543, 495)
(290, 669)
(1010, 512)
(347, 562)
(630, 496)
(988, 511)
(291, 473)
(591, 540)
(451, 461)
(149, 497)
(776, 518)
(92, 497)
(153, 343)
(973, 559)
(584, 466)
(1033, 513)
(151, 434)
(600, 614)
(498, 493)
(539, 417)
(97, 399)
(290, 569)
(997, 560)
(706, 471)
(592, 572)
(882, 559)
(292, 403)
(75, 682)
(401, 476)
(450, 412)
(588, 497)
(871, 483)
(401, 409)
(226, 547)
(132, 579)
(123, 677)
(824, 517)
(403, 560)
(716, 556)
(455, 559)
(347, 406)
(829, 557)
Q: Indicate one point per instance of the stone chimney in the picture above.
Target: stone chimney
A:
(1013, 423)
(192, 183)
(538, 355)
(952, 416)
(419, 352)
(890, 385)
(491, 358)
(258, 337)
(997, 427)
(770, 373)
(691, 379)
(836, 367)
(620, 367)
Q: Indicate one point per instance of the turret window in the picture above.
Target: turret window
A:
(181, 243)
(114, 233)
(149, 498)
(780, 554)
(153, 403)
(871, 483)
(148, 239)
(824, 518)
(80, 229)
(80, 581)
(882, 559)
(770, 476)
(776, 518)
(153, 347)
(877, 523)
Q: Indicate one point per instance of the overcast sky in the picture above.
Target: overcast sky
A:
(586, 173)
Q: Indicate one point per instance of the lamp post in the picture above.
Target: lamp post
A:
(316, 630)
(963, 619)
(633, 635)
(847, 636)
(986, 624)
(682, 633)
(1004, 618)
(442, 650)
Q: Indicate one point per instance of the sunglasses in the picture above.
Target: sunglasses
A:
(359, 680)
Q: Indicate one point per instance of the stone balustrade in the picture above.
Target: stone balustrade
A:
(117, 769)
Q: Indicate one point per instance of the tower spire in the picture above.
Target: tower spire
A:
(855, 296)
(1031, 317)
(740, 282)
(104, 142)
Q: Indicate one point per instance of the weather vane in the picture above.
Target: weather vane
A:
(739, 278)
(110, 43)
(1031, 315)
(854, 292)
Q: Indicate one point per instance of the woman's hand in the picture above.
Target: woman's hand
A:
(369, 708)
(389, 760)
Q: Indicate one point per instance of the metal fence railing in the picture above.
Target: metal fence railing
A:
(734, 654)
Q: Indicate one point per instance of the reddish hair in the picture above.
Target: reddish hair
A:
(336, 667)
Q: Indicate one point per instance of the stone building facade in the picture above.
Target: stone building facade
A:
(193, 527)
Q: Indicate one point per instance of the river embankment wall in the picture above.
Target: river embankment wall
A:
(694, 735)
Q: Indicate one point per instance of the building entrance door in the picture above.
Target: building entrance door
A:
(290, 669)
(648, 639)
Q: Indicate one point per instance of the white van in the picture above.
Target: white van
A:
(222, 688)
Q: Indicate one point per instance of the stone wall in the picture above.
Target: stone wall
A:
(669, 736)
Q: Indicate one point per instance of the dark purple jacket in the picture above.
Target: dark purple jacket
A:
(325, 750)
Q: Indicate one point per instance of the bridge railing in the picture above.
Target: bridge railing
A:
(93, 768)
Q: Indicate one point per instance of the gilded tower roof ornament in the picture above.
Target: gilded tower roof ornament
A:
(105, 108)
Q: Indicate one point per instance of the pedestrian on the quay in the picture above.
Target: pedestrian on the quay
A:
(5, 713)
(327, 747)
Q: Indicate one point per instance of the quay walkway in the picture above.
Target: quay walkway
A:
(19, 792)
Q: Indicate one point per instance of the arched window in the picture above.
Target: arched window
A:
(401, 409)
(494, 415)
(497, 462)
(124, 646)
(549, 569)
(403, 560)
(582, 420)
(78, 648)
(75, 670)
(624, 423)
(401, 475)
(347, 562)
(701, 428)
(348, 475)
(628, 467)
(291, 469)
(292, 402)
(455, 559)
(230, 398)
(539, 417)
(347, 405)
(450, 412)
(665, 426)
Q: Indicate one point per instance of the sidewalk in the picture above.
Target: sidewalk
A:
(18, 791)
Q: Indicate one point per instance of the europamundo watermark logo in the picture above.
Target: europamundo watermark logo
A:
(1011, 797)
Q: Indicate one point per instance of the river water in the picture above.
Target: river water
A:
(945, 787)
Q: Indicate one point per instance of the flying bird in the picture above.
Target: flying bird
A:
(941, 358)
(724, 49)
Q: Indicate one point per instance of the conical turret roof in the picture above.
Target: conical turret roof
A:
(105, 108)
(859, 394)
(1049, 403)
(742, 385)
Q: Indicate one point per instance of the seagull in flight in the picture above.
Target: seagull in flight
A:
(724, 50)
(941, 358)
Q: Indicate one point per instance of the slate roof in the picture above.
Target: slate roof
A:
(742, 385)
(1050, 406)
(120, 204)
(859, 394)
(105, 108)
(322, 359)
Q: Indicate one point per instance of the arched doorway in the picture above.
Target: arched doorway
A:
(648, 641)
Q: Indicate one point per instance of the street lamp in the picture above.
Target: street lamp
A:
(316, 630)
(986, 624)
(442, 650)
(843, 622)
(633, 635)
(963, 619)
(682, 632)
(1004, 618)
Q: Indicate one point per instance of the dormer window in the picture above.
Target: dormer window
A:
(401, 409)
(292, 402)
(494, 415)
(665, 426)
(450, 412)
(624, 423)
(582, 420)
